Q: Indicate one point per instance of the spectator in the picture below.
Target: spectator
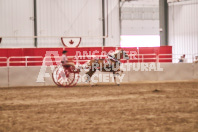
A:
(183, 59)
(196, 59)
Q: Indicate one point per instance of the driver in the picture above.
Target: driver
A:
(64, 59)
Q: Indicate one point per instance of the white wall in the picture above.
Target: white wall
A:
(69, 18)
(183, 28)
(58, 18)
(140, 17)
(15, 20)
(113, 23)
(12, 77)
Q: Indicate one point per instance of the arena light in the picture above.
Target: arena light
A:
(140, 41)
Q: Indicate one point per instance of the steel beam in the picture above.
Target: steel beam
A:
(35, 24)
(163, 16)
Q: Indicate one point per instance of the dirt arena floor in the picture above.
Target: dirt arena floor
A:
(137, 107)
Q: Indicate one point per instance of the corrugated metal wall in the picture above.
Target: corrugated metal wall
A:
(58, 18)
(113, 23)
(140, 17)
(16, 20)
(183, 28)
(69, 18)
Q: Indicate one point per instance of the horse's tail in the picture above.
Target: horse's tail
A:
(85, 65)
(91, 71)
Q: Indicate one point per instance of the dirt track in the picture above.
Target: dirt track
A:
(129, 107)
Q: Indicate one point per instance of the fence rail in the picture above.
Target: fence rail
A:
(33, 60)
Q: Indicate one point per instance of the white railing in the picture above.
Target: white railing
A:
(26, 61)
(80, 59)
(5, 60)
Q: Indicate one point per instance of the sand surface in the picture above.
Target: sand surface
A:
(125, 108)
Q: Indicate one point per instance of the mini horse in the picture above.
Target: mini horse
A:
(113, 65)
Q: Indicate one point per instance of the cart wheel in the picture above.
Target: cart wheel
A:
(77, 76)
(63, 76)
(55, 76)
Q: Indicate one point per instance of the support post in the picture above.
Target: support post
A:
(35, 24)
(120, 16)
(103, 21)
(163, 18)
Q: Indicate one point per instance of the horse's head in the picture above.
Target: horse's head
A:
(121, 54)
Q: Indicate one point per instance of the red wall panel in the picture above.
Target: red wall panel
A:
(8, 52)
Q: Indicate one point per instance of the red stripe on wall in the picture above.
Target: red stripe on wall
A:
(10, 52)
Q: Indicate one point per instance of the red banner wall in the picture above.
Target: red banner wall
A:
(10, 52)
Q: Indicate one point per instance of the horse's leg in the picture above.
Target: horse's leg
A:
(120, 72)
(89, 75)
(116, 72)
(115, 78)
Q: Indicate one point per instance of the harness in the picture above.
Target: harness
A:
(113, 58)
(110, 57)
